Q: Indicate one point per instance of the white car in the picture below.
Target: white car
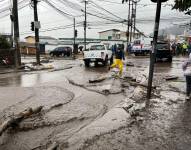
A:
(98, 53)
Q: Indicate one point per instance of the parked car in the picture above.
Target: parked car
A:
(61, 51)
(98, 53)
(163, 51)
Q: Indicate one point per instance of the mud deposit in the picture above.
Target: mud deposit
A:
(106, 115)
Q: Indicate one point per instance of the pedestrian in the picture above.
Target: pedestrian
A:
(173, 48)
(184, 49)
(119, 56)
(189, 48)
(178, 49)
(129, 48)
(187, 73)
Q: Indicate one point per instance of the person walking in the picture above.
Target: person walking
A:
(119, 56)
(187, 73)
(189, 48)
(184, 49)
(173, 48)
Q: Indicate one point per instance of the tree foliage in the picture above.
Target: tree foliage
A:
(4, 44)
(183, 5)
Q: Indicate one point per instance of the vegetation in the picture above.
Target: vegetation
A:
(182, 5)
(4, 44)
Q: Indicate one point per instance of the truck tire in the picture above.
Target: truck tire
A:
(87, 63)
(105, 61)
(111, 60)
(170, 59)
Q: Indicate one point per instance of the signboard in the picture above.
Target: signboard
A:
(37, 24)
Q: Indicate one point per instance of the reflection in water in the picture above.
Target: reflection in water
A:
(29, 80)
(163, 67)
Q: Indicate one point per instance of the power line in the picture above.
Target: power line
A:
(107, 11)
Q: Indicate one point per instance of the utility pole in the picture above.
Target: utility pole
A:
(131, 22)
(128, 22)
(36, 26)
(85, 24)
(135, 13)
(12, 23)
(154, 50)
(74, 35)
(16, 34)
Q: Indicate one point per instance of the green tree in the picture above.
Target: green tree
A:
(4, 44)
(183, 5)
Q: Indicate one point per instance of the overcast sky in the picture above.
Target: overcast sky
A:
(50, 18)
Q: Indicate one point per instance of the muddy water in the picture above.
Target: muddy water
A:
(70, 108)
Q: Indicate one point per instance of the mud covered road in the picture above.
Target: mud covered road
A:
(106, 115)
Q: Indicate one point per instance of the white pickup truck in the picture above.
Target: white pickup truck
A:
(98, 53)
(141, 46)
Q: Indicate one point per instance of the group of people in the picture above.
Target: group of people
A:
(181, 48)
(118, 53)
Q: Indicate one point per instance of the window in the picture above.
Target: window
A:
(162, 46)
(137, 42)
(97, 47)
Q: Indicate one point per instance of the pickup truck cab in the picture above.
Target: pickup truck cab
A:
(97, 53)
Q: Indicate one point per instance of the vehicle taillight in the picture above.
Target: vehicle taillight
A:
(102, 54)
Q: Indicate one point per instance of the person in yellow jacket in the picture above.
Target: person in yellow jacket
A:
(184, 49)
(119, 55)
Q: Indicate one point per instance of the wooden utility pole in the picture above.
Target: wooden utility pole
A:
(131, 31)
(134, 27)
(16, 34)
(74, 51)
(128, 22)
(85, 24)
(36, 26)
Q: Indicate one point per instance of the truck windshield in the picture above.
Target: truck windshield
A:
(162, 46)
(97, 47)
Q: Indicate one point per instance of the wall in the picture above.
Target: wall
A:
(30, 40)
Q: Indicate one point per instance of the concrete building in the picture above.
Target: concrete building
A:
(47, 44)
(115, 34)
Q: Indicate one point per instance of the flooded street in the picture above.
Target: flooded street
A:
(108, 115)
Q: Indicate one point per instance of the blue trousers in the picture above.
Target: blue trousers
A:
(188, 85)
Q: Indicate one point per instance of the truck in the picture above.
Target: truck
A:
(98, 53)
(163, 51)
(141, 46)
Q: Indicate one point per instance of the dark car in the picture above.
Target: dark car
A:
(61, 51)
(163, 51)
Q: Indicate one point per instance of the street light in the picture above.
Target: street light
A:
(154, 50)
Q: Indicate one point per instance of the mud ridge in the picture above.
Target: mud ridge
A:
(104, 92)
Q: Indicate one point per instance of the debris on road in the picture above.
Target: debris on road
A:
(12, 122)
(54, 146)
(99, 79)
(130, 64)
(170, 77)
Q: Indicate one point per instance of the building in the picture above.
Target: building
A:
(45, 42)
(115, 34)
